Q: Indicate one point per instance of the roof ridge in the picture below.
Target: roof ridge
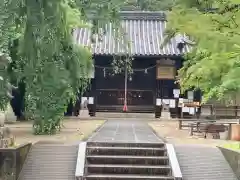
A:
(143, 15)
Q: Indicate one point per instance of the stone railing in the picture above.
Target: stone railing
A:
(12, 160)
(176, 171)
(12, 157)
(79, 173)
(233, 158)
(6, 138)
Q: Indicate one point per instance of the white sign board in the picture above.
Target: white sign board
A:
(83, 99)
(172, 103)
(176, 93)
(158, 102)
(166, 101)
(185, 109)
(192, 110)
(91, 100)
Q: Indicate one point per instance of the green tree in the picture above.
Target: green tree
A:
(46, 58)
(151, 5)
(213, 65)
(8, 31)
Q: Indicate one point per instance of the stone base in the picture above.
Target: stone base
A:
(6, 143)
(6, 138)
(165, 115)
(84, 114)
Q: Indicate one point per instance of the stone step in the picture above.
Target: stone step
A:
(134, 116)
(128, 169)
(129, 144)
(140, 160)
(140, 151)
(125, 177)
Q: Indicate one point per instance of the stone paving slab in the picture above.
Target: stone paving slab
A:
(125, 131)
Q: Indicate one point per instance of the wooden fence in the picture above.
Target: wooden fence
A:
(220, 111)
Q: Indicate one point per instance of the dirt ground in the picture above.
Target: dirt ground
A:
(73, 130)
(169, 130)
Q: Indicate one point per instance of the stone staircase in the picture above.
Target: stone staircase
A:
(128, 161)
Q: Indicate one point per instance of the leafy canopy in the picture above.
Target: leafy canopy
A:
(37, 35)
(151, 5)
(214, 62)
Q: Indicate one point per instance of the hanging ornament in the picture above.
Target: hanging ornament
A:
(146, 71)
(104, 72)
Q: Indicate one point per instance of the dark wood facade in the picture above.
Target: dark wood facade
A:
(110, 89)
(143, 87)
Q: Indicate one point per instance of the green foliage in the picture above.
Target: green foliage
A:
(233, 146)
(214, 64)
(8, 31)
(5, 86)
(52, 66)
(151, 5)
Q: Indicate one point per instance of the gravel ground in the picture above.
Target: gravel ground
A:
(169, 130)
(73, 130)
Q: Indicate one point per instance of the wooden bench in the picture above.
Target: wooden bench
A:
(181, 121)
(207, 128)
(194, 127)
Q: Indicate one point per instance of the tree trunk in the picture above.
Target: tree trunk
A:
(2, 118)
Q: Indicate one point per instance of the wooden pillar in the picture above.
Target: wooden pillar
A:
(211, 109)
(176, 108)
(158, 108)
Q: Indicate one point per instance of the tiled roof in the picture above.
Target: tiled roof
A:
(144, 32)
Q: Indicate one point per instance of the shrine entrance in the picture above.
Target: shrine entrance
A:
(114, 99)
(138, 89)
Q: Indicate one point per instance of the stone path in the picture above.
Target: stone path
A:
(125, 131)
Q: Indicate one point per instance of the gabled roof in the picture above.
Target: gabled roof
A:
(144, 32)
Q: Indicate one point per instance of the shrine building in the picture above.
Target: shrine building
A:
(152, 82)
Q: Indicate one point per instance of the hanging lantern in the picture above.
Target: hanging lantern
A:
(130, 78)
